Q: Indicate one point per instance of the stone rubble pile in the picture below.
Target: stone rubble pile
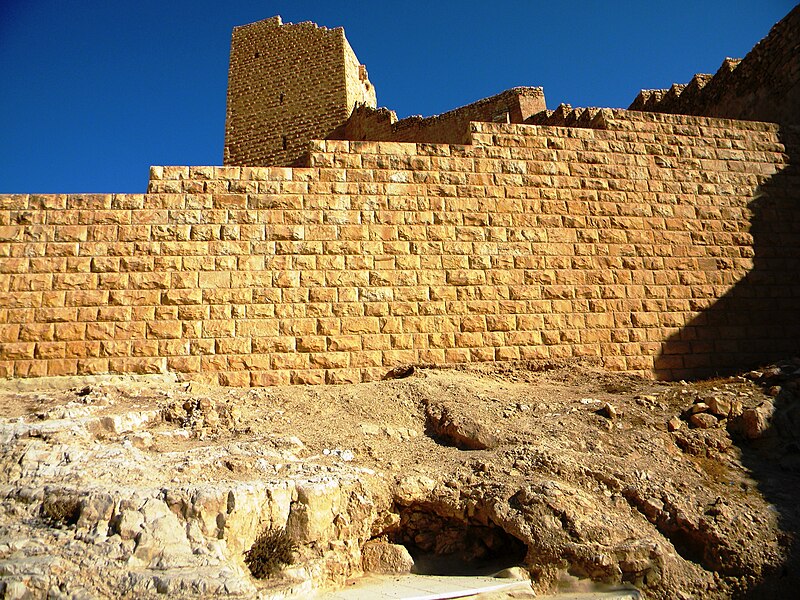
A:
(86, 512)
(740, 412)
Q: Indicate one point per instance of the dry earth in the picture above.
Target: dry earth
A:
(118, 486)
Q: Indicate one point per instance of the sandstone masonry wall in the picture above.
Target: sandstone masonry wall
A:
(288, 84)
(533, 242)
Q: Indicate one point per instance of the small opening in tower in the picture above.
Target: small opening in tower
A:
(285, 142)
(281, 97)
(257, 54)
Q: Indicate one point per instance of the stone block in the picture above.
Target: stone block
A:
(182, 297)
(293, 361)
(311, 343)
(29, 332)
(27, 368)
(385, 558)
(173, 347)
(330, 360)
(343, 376)
(140, 347)
(218, 328)
(92, 366)
(392, 358)
(137, 365)
(234, 378)
(61, 367)
(366, 358)
(308, 377)
(70, 331)
(269, 378)
(12, 333)
(360, 325)
(164, 329)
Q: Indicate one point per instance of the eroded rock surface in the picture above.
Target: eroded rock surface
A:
(146, 487)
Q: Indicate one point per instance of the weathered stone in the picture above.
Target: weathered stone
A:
(674, 424)
(703, 420)
(96, 508)
(460, 430)
(142, 440)
(383, 557)
(719, 406)
(755, 422)
(416, 488)
(736, 409)
(129, 524)
(609, 411)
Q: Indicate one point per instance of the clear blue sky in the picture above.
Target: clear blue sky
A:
(93, 92)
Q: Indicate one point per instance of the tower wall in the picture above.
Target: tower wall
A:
(288, 84)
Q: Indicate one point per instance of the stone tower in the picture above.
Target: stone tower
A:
(288, 84)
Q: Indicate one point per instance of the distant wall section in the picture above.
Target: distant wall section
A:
(289, 84)
(764, 86)
(453, 127)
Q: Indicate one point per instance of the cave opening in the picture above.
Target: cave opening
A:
(452, 546)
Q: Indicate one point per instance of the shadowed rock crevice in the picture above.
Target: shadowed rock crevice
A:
(770, 447)
(444, 545)
(690, 538)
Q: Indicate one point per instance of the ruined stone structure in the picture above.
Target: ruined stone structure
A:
(288, 84)
(512, 106)
(659, 244)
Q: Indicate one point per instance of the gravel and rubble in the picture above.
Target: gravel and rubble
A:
(148, 486)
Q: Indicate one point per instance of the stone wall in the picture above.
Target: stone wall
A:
(663, 245)
(764, 86)
(288, 84)
(452, 127)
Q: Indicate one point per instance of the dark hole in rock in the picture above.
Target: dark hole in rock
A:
(62, 509)
(400, 372)
(448, 546)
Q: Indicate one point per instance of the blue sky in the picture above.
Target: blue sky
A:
(94, 92)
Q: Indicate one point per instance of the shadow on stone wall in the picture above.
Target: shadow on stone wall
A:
(758, 320)
(773, 460)
(755, 323)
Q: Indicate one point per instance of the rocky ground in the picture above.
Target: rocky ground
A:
(123, 486)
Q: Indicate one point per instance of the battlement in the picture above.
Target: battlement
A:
(764, 86)
(452, 127)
